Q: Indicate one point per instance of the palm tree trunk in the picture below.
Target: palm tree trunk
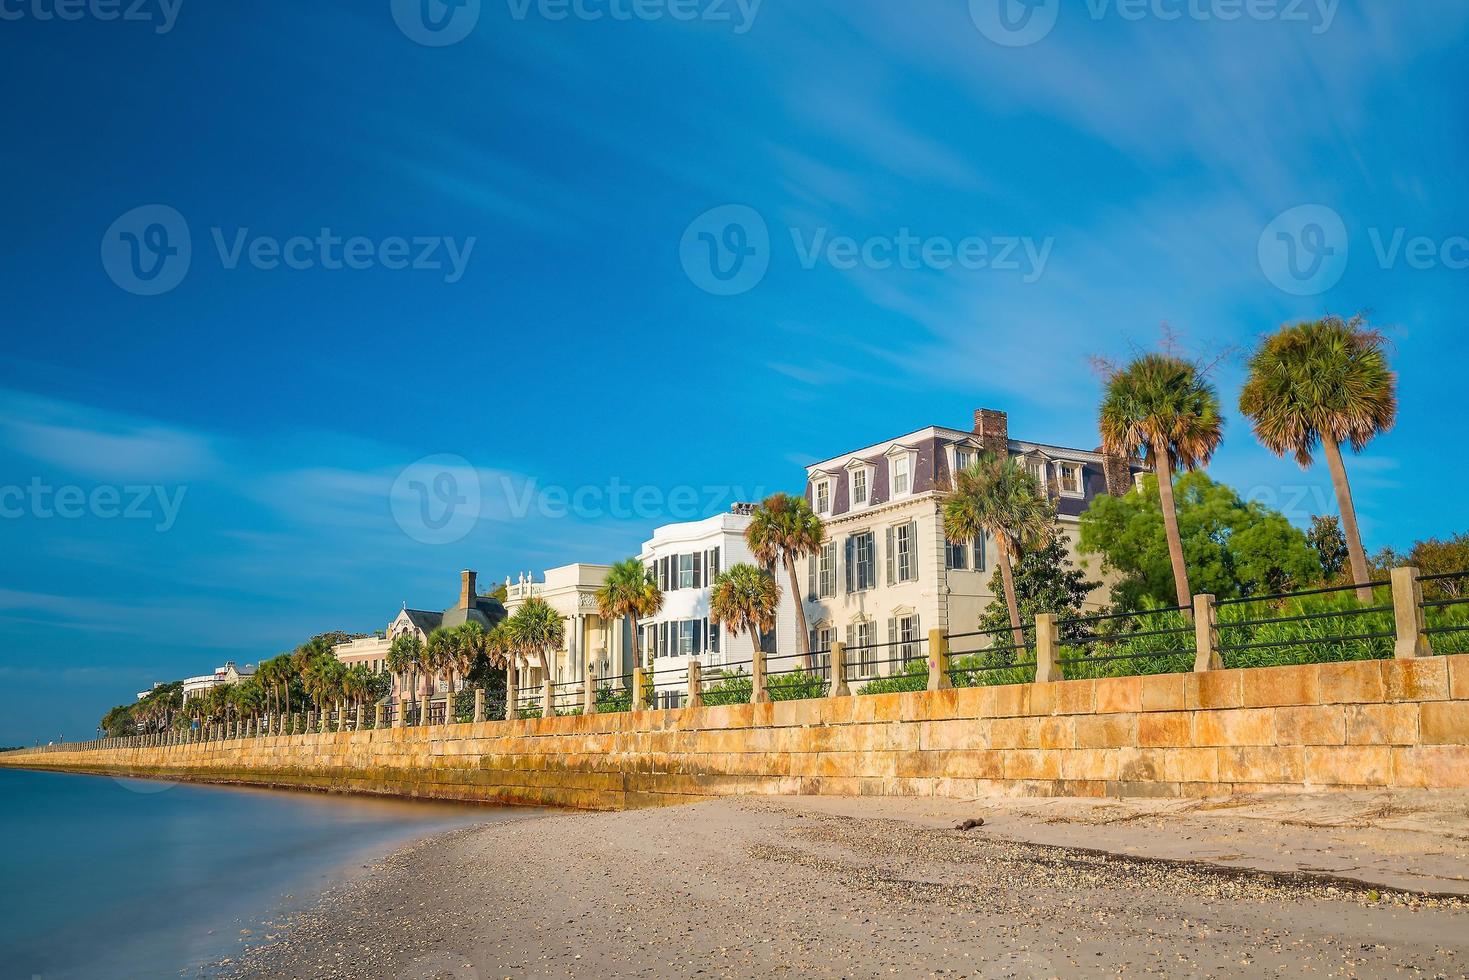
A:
(1360, 573)
(1164, 471)
(799, 603)
(1012, 604)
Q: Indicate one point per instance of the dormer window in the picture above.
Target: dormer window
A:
(859, 480)
(1037, 469)
(1070, 477)
(823, 496)
(902, 474)
(859, 487)
(963, 459)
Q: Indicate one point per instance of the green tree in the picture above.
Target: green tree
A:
(1330, 544)
(746, 599)
(999, 497)
(1162, 407)
(438, 659)
(1435, 557)
(629, 591)
(1045, 580)
(537, 630)
(783, 531)
(1233, 547)
(405, 660)
(1319, 384)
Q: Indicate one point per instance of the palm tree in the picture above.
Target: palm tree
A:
(405, 658)
(438, 660)
(537, 630)
(999, 497)
(324, 681)
(746, 599)
(629, 591)
(470, 641)
(357, 684)
(1321, 383)
(1163, 407)
(784, 529)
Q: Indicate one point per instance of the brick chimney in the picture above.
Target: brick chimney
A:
(992, 427)
(466, 589)
(1118, 473)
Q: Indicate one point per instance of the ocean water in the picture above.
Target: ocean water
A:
(114, 878)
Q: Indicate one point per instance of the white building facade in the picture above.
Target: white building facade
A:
(571, 590)
(684, 560)
(886, 573)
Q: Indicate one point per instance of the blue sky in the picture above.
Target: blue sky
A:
(266, 425)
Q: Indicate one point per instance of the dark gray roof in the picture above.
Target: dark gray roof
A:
(485, 611)
(425, 620)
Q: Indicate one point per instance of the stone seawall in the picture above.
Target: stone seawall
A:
(1368, 724)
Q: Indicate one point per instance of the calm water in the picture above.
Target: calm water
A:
(111, 878)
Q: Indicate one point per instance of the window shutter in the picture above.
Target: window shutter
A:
(713, 635)
(698, 570)
(913, 551)
(893, 653)
(701, 628)
(663, 649)
(813, 588)
(981, 560)
(714, 563)
(851, 553)
(892, 553)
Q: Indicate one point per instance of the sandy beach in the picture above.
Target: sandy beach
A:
(1344, 885)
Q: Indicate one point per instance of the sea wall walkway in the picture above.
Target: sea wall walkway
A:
(1354, 725)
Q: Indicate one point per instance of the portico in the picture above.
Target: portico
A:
(571, 590)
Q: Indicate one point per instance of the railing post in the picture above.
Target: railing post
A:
(1047, 641)
(479, 707)
(361, 717)
(838, 687)
(1206, 635)
(635, 702)
(938, 661)
(548, 695)
(1407, 614)
(589, 689)
(758, 694)
(512, 689)
(696, 686)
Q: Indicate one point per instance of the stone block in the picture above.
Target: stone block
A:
(1431, 767)
(1090, 764)
(1268, 686)
(1382, 724)
(1443, 723)
(1239, 726)
(1075, 697)
(1349, 765)
(1015, 733)
(1165, 729)
(1058, 732)
(1458, 676)
(1164, 692)
(1032, 764)
(1141, 765)
(1012, 700)
(1106, 731)
(1415, 680)
(1312, 724)
(1217, 689)
(952, 734)
(1115, 694)
(1192, 765)
(1262, 764)
(1353, 682)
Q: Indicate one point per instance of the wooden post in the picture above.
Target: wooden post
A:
(696, 686)
(1206, 635)
(938, 661)
(635, 702)
(1047, 641)
(758, 694)
(838, 687)
(1407, 612)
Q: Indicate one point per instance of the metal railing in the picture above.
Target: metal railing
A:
(1444, 606)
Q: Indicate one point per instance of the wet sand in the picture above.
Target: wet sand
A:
(868, 888)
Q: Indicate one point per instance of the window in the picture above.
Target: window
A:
(1037, 469)
(713, 564)
(957, 555)
(685, 571)
(861, 562)
(822, 492)
(981, 553)
(688, 638)
(714, 632)
(902, 474)
(826, 567)
(963, 458)
(1071, 482)
(859, 486)
(822, 638)
(903, 631)
(859, 643)
(903, 553)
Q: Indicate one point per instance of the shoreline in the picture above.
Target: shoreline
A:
(854, 887)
